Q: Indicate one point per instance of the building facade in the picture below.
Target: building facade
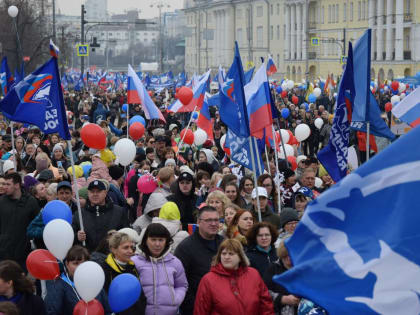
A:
(307, 38)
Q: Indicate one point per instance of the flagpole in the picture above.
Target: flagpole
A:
(268, 161)
(277, 169)
(255, 178)
(282, 143)
(79, 209)
(367, 140)
(185, 133)
(128, 118)
(13, 145)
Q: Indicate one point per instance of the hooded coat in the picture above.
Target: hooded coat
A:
(186, 204)
(240, 291)
(156, 201)
(163, 281)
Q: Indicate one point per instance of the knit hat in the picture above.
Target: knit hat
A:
(132, 234)
(28, 182)
(116, 172)
(170, 162)
(288, 215)
(186, 169)
(300, 158)
(46, 175)
(58, 147)
(83, 193)
(8, 165)
(170, 211)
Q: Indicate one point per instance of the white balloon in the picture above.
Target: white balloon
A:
(318, 182)
(58, 236)
(200, 136)
(302, 132)
(395, 99)
(89, 279)
(402, 95)
(317, 91)
(284, 85)
(222, 141)
(290, 84)
(125, 151)
(401, 87)
(386, 87)
(285, 135)
(289, 151)
(319, 123)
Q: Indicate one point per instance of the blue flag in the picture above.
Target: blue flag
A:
(80, 83)
(356, 249)
(240, 152)
(334, 156)
(361, 67)
(232, 109)
(248, 75)
(38, 100)
(378, 126)
(6, 78)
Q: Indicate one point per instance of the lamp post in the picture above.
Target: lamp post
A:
(161, 4)
(13, 12)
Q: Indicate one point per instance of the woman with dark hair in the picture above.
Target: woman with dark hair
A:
(228, 179)
(162, 275)
(119, 261)
(240, 225)
(246, 186)
(62, 296)
(266, 181)
(232, 192)
(261, 250)
(231, 286)
(15, 287)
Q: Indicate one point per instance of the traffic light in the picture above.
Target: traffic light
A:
(95, 44)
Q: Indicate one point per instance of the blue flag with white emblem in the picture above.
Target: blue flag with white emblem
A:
(38, 100)
(356, 249)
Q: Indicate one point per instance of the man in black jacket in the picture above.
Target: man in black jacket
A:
(99, 216)
(197, 251)
(17, 210)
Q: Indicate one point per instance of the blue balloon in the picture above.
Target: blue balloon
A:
(381, 91)
(125, 107)
(56, 209)
(124, 291)
(139, 119)
(194, 115)
(279, 89)
(395, 92)
(312, 98)
(86, 169)
(285, 112)
(372, 84)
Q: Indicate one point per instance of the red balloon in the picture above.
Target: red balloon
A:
(42, 265)
(395, 85)
(295, 99)
(150, 93)
(291, 136)
(94, 307)
(189, 136)
(93, 136)
(381, 86)
(177, 89)
(185, 95)
(407, 86)
(136, 130)
(293, 141)
(292, 161)
(283, 94)
(388, 107)
(373, 91)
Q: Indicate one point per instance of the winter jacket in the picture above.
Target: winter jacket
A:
(174, 228)
(15, 217)
(61, 297)
(100, 113)
(163, 281)
(240, 291)
(98, 220)
(156, 201)
(30, 304)
(267, 216)
(111, 270)
(186, 204)
(260, 259)
(195, 254)
(130, 174)
(276, 290)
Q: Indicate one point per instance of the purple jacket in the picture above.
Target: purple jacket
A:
(163, 281)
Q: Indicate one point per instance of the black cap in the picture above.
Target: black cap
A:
(98, 184)
(186, 176)
(160, 138)
(64, 183)
(46, 175)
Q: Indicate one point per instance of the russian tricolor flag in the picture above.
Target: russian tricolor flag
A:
(54, 51)
(139, 95)
(271, 67)
(199, 91)
(204, 119)
(408, 110)
(257, 95)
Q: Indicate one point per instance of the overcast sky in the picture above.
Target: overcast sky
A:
(72, 7)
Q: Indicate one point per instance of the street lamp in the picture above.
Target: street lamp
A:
(161, 4)
(13, 12)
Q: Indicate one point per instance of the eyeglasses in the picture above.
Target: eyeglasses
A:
(208, 221)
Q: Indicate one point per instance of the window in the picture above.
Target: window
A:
(322, 14)
(278, 8)
(260, 38)
(359, 11)
(239, 36)
(260, 11)
(271, 9)
(239, 14)
(329, 13)
(407, 6)
(351, 11)
(271, 32)
(344, 12)
(337, 13)
(278, 32)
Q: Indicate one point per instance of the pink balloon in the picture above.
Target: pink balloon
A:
(146, 184)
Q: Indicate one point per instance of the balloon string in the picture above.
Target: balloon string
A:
(74, 289)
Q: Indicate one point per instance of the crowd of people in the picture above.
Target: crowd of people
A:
(195, 243)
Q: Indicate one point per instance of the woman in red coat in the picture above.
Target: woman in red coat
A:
(231, 286)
